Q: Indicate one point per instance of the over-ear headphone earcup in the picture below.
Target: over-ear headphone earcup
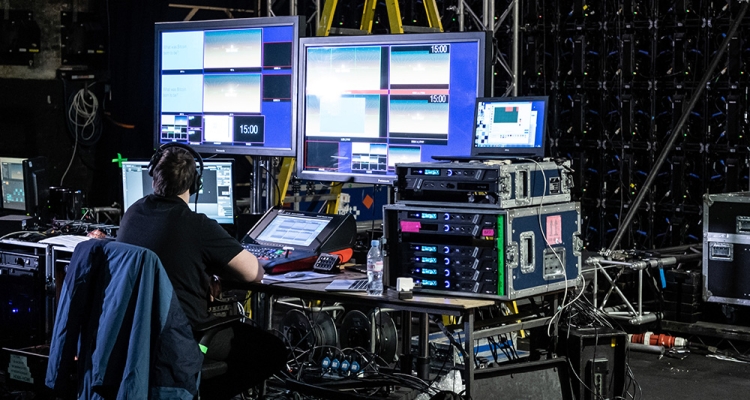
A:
(154, 161)
(197, 182)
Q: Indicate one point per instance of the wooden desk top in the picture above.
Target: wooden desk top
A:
(316, 290)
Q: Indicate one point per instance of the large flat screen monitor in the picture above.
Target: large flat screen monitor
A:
(11, 172)
(510, 126)
(370, 102)
(216, 198)
(227, 86)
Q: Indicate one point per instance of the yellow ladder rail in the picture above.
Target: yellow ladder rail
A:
(333, 206)
(368, 16)
(284, 177)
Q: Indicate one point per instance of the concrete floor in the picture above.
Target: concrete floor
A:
(694, 377)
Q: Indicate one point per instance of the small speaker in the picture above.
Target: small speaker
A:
(597, 356)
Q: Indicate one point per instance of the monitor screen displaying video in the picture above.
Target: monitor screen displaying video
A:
(370, 102)
(510, 126)
(216, 198)
(227, 86)
(11, 172)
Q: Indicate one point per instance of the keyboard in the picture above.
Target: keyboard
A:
(276, 260)
(265, 252)
(347, 285)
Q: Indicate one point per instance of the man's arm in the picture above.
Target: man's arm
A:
(245, 267)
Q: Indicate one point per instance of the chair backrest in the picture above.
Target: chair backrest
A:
(120, 318)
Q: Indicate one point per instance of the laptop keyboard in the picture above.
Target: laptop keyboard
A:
(359, 284)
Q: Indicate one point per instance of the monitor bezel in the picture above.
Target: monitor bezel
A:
(298, 24)
(483, 81)
(536, 152)
(36, 187)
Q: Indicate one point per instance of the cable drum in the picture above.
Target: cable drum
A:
(313, 335)
(356, 332)
(296, 327)
(324, 330)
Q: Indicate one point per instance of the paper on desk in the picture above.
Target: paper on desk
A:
(69, 241)
(293, 277)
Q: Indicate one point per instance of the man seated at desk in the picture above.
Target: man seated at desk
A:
(192, 247)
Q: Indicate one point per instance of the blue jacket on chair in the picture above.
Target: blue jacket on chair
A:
(119, 316)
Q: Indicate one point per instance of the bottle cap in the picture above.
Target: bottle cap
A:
(375, 243)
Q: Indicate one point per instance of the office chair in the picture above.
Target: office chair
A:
(120, 331)
(212, 368)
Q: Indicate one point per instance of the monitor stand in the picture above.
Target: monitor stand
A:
(259, 204)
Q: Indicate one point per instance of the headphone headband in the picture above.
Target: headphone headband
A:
(197, 180)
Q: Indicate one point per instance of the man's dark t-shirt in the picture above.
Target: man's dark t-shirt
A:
(191, 246)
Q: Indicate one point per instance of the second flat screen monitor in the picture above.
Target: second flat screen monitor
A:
(368, 103)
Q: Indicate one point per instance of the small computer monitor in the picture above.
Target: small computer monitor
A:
(510, 127)
(36, 187)
(11, 171)
(227, 86)
(216, 198)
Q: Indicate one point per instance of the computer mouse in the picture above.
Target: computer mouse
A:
(294, 275)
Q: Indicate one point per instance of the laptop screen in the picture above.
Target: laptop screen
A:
(510, 127)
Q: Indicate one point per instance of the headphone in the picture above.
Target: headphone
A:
(197, 184)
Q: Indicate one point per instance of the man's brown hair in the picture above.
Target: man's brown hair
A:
(174, 173)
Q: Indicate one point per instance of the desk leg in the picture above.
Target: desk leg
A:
(264, 301)
(406, 358)
(469, 348)
(268, 307)
(423, 360)
(373, 331)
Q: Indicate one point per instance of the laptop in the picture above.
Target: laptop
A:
(507, 128)
(347, 285)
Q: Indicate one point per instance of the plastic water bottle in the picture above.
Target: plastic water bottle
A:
(375, 270)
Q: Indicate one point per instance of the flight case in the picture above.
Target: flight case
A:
(726, 248)
(498, 254)
(495, 184)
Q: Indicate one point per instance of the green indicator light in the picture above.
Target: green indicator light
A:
(501, 255)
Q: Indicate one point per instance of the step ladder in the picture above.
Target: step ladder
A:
(368, 14)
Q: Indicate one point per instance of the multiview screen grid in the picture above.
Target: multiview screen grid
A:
(227, 87)
(368, 108)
